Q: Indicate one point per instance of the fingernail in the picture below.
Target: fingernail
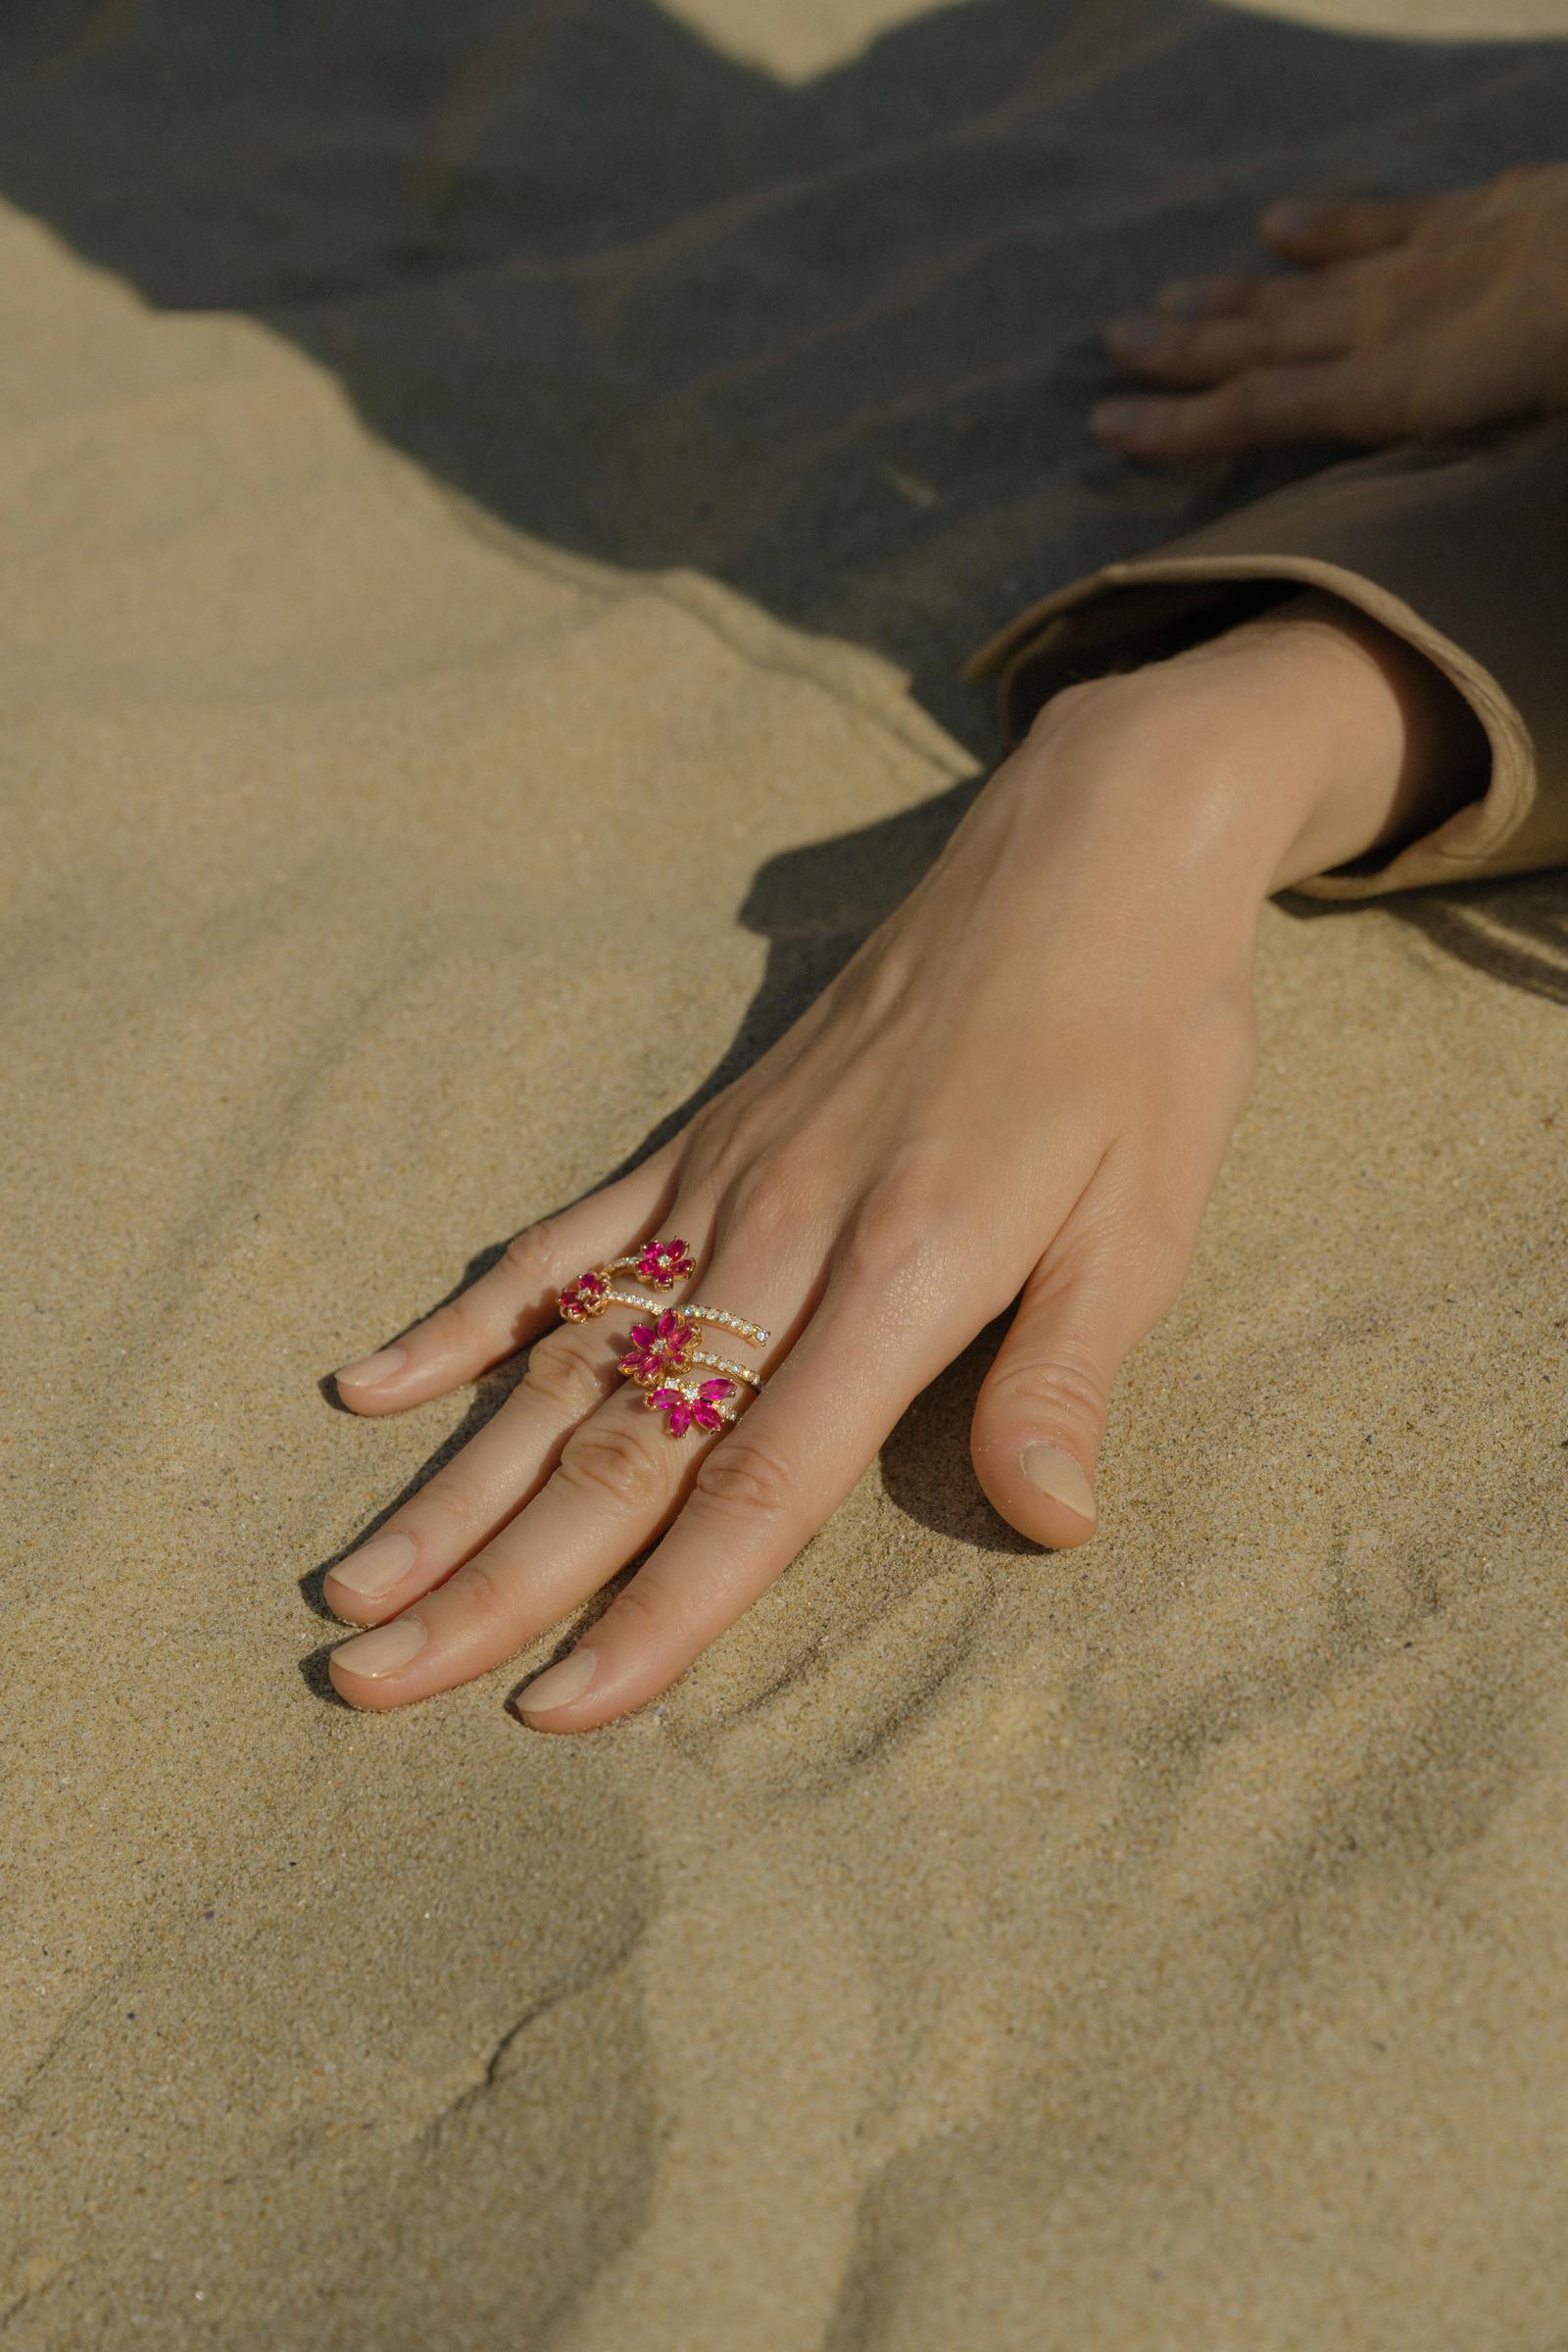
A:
(371, 1368)
(567, 1681)
(1052, 1472)
(1119, 419)
(384, 1650)
(378, 1565)
(1136, 332)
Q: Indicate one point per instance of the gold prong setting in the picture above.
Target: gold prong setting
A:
(662, 1349)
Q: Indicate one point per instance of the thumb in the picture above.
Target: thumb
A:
(1041, 1415)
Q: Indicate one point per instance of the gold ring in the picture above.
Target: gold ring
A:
(664, 1351)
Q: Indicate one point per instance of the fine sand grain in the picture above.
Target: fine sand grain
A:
(450, 460)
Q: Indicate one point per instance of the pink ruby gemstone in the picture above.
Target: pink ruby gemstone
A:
(680, 1419)
(716, 1388)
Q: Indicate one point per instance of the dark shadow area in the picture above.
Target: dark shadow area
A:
(918, 1468)
(1514, 930)
(831, 344)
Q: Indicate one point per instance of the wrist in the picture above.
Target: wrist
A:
(1275, 751)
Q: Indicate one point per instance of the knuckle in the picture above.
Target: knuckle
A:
(610, 1461)
(771, 1201)
(451, 1324)
(484, 1599)
(462, 1330)
(649, 1613)
(532, 1255)
(1068, 1391)
(562, 1373)
(744, 1474)
(897, 1230)
(451, 1503)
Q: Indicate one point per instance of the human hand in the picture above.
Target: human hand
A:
(1019, 1090)
(1412, 318)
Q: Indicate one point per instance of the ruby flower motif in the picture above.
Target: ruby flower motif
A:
(682, 1412)
(585, 1296)
(662, 1264)
(658, 1349)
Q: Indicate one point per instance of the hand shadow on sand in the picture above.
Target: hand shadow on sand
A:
(830, 343)
(1515, 930)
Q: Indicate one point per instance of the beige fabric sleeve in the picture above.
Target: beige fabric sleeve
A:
(1463, 552)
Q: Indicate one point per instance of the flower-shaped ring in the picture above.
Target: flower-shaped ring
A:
(663, 1353)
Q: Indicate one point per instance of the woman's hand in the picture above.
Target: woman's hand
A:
(1019, 1090)
(1414, 318)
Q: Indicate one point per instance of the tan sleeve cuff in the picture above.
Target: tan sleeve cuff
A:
(1461, 552)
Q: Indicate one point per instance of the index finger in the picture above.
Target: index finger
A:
(515, 1299)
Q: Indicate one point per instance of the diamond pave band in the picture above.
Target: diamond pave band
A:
(664, 1349)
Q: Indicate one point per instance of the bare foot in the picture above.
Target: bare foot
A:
(1412, 318)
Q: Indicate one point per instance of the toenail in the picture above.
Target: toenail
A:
(371, 1368)
(1051, 1471)
(560, 1685)
(1136, 332)
(382, 1652)
(378, 1565)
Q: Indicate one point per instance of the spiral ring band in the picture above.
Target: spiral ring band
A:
(664, 1351)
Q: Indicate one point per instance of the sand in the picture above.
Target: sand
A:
(445, 455)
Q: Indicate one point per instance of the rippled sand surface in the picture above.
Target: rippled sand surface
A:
(453, 464)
